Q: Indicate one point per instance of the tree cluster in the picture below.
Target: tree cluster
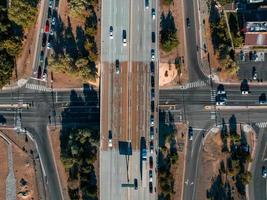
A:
(77, 55)
(167, 157)
(167, 2)
(221, 40)
(166, 179)
(77, 7)
(237, 36)
(234, 168)
(78, 154)
(13, 22)
(168, 38)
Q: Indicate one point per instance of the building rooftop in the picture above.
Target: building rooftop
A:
(256, 39)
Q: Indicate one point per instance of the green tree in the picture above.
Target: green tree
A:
(168, 38)
(6, 67)
(167, 2)
(22, 13)
(13, 46)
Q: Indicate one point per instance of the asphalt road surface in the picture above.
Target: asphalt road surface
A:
(257, 187)
(125, 98)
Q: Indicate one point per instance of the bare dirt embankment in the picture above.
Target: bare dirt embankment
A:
(167, 60)
(3, 168)
(23, 166)
(219, 164)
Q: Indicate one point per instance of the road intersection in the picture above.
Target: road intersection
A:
(186, 105)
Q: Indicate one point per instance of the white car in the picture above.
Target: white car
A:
(44, 76)
(255, 76)
(152, 55)
(110, 142)
(124, 40)
(111, 32)
(221, 92)
(220, 103)
(150, 176)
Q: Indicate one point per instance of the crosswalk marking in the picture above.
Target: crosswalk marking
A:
(212, 95)
(37, 87)
(261, 124)
(195, 84)
(212, 100)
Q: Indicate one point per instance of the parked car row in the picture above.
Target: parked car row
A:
(47, 40)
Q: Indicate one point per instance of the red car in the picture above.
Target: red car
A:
(47, 26)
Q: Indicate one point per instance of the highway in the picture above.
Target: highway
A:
(124, 105)
(125, 97)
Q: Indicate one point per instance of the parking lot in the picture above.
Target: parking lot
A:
(253, 67)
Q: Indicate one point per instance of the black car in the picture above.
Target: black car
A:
(50, 41)
(152, 68)
(42, 56)
(49, 15)
(151, 133)
(117, 63)
(152, 120)
(39, 72)
(135, 184)
(190, 133)
(152, 81)
(147, 4)
(44, 39)
(151, 147)
(244, 87)
(151, 162)
(152, 93)
(150, 187)
(188, 22)
(264, 172)
(152, 106)
(153, 37)
(220, 89)
(262, 98)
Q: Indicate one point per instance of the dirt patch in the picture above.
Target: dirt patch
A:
(212, 158)
(54, 136)
(3, 168)
(177, 12)
(25, 175)
(23, 165)
(168, 75)
(64, 80)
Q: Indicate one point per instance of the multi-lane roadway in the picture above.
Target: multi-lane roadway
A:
(126, 98)
(126, 105)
